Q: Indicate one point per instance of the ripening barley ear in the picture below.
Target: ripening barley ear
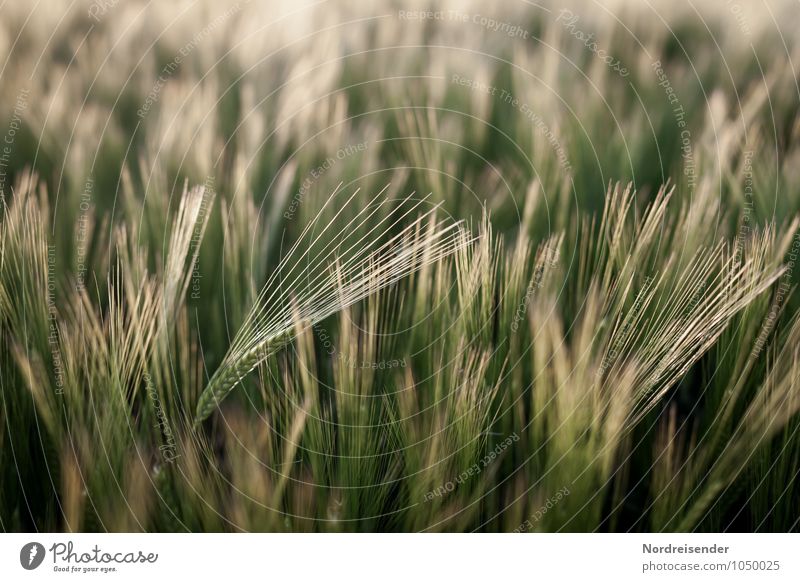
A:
(190, 225)
(331, 274)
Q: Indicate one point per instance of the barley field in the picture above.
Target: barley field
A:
(399, 266)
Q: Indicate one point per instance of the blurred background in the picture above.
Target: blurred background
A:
(515, 117)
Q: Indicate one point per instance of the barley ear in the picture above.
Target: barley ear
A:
(224, 380)
(327, 276)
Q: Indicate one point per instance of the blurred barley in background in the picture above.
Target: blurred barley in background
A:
(399, 266)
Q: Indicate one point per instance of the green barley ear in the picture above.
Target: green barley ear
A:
(184, 248)
(223, 381)
(334, 270)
